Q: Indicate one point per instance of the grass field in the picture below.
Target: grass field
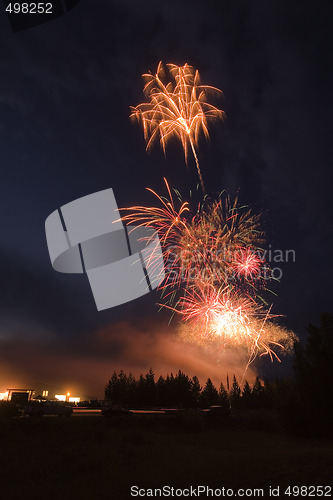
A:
(97, 457)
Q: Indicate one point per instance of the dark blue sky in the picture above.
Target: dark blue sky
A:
(65, 91)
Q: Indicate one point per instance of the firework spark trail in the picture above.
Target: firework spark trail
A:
(166, 220)
(213, 273)
(226, 317)
(207, 246)
(221, 320)
(177, 108)
(211, 255)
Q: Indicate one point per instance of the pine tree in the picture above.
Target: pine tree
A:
(313, 367)
(235, 394)
(258, 394)
(160, 392)
(169, 390)
(148, 388)
(247, 396)
(209, 396)
(182, 385)
(110, 389)
(195, 391)
(132, 393)
(223, 397)
(122, 387)
(117, 389)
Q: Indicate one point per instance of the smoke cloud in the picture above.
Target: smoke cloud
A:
(85, 366)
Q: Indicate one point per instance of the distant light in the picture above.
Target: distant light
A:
(74, 399)
(60, 397)
(45, 394)
(3, 396)
(68, 394)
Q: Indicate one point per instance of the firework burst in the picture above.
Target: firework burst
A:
(211, 252)
(246, 263)
(225, 319)
(204, 245)
(178, 107)
(213, 273)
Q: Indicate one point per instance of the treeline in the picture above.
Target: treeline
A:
(181, 391)
(308, 405)
(303, 403)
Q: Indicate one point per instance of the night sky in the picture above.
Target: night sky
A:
(66, 87)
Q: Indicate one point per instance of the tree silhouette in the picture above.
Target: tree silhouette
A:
(247, 396)
(111, 388)
(160, 391)
(150, 387)
(131, 390)
(258, 394)
(209, 395)
(119, 388)
(147, 389)
(184, 392)
(183, 386)
(169, 389)
(313, 367)
(195, 391)
(235, 394)
(223, 399)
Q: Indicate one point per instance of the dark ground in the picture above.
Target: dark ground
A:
(98, 457)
